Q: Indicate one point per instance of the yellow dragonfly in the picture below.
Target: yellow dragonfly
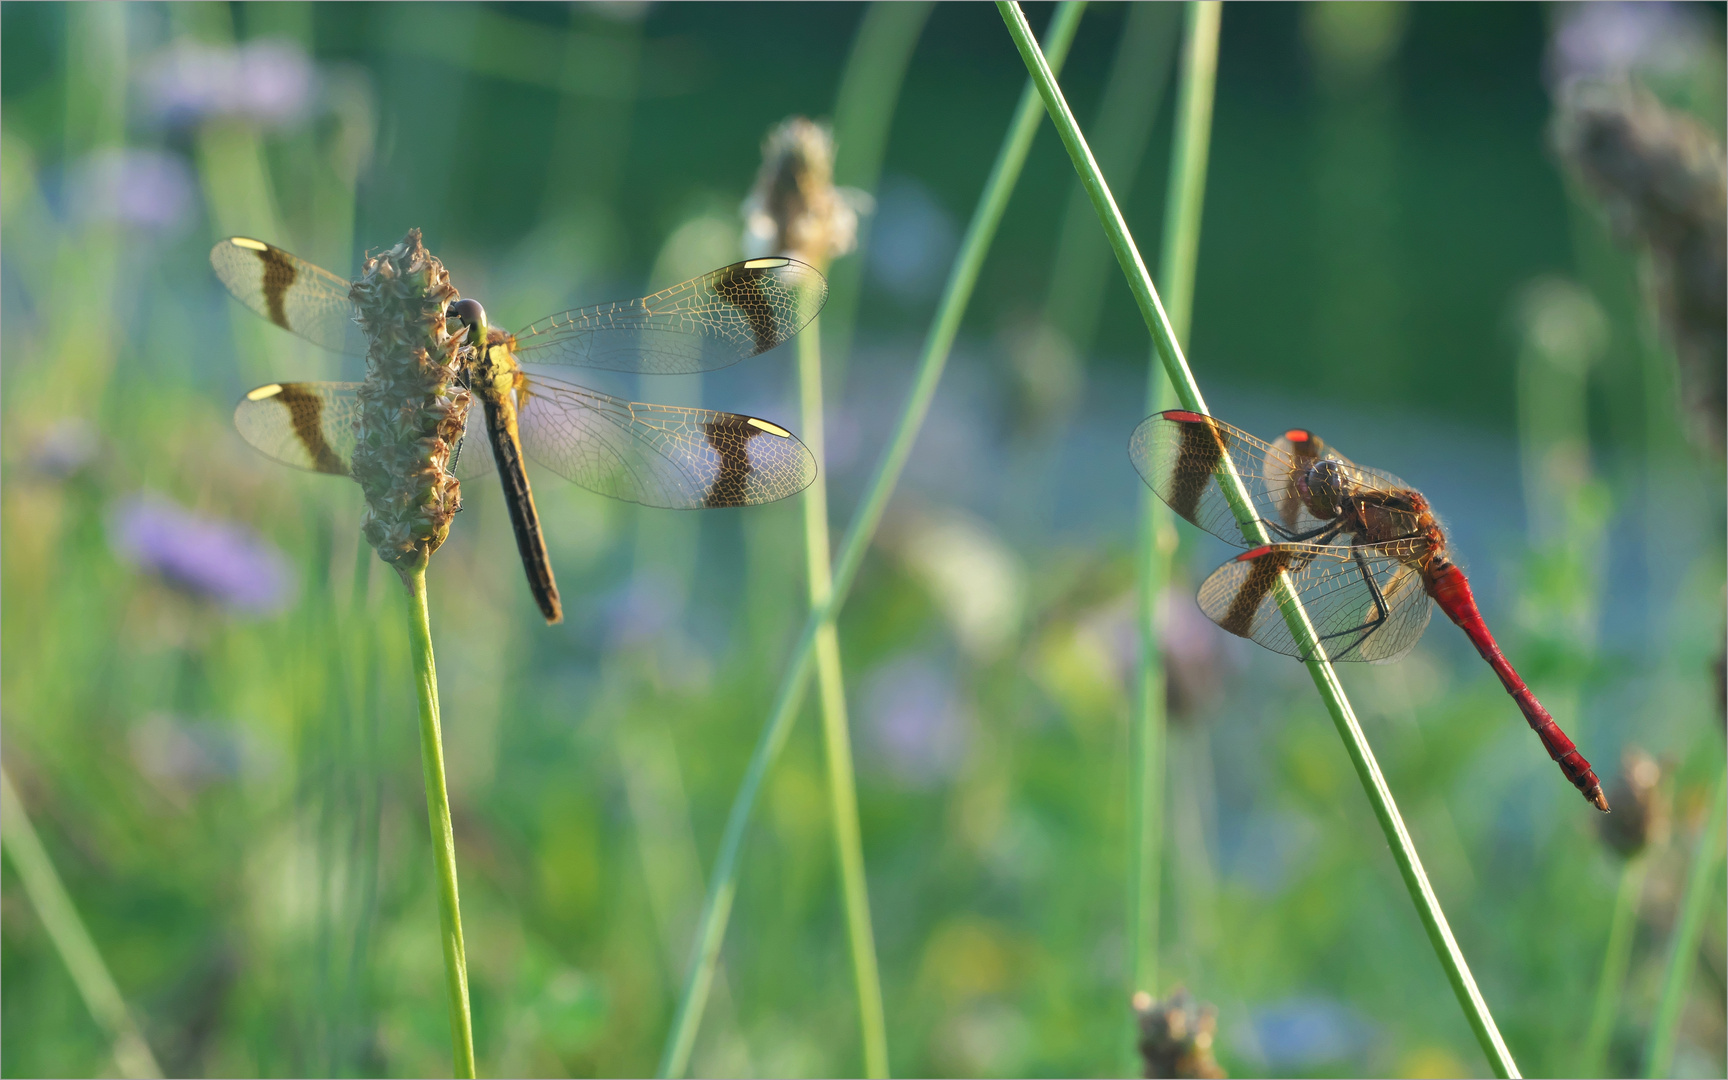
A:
(656, 455)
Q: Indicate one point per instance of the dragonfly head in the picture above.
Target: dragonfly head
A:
(468, 312)
(1323, 486)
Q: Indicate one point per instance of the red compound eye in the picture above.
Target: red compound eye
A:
(1297, 435)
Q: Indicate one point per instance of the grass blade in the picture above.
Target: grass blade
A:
(1325, 678)
(438, 817)
(1617, 956)
(1701, 881)
(1187, 192)
(962, 278)
(71, 940)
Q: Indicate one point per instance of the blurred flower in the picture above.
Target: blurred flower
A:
(1049, 374)
(795, 209)
(911, 240)
(696, 246)
(64, 449)
(147, 188)
(183, 757)
(1641, 812)
(977, 581)
(1663, 181)
(1301, 1034)
(1614, 40)
(1350, 43)
(213, 560)
(268, 82)
(915, 721)
(1191, 644)
(1563, 323)
(1193, 652)
(642, 609)
(1176, 1035)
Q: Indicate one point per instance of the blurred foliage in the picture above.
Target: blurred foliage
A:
(233, 796)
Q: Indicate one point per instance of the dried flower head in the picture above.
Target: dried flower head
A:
(412, 409)
(1641, 813)
(1663, 181)
(1176, 1035)
(795, 209)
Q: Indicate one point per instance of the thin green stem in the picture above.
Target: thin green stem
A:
(836, 735)
(1701, 881)
(1320, 669)
(962, 278)
(1616, 957)
(70, 937)
(438, 817)
(1182, 210)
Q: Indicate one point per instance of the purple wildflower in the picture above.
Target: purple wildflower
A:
(642, 609)
(1612, 40)
(267, 82)
(147, 188)
(64, 449)
(915, 721)
(214, 560)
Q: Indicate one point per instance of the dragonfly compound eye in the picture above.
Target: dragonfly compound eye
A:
(468, 311)
(1323, 487)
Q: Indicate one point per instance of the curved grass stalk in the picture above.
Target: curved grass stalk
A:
(962, 278)
(1320, 669)
(1701, 881)
(1176, 263)
(71, 940)
(438, 817)
(1616, 957)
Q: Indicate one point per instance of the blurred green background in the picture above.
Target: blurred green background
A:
(228, 781)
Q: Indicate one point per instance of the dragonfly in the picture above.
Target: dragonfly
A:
(655, 455)
(1363, 550)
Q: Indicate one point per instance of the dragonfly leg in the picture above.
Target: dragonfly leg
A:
(1321, 535)
(1382, 611)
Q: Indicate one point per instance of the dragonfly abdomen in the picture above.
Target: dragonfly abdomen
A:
(519, 498)
(1451, 590)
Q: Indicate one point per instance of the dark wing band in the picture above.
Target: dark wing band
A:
(708, 322)
(1338, 590)
(1178, 454)
(289, 291)
(307, 425)
(656, 455)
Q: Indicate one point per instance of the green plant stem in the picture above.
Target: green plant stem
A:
(1616, 956)
(1146, 733)
(1320, 669)
(836, 735)
(962, 278)
(1701, 881)
(438, 818)
(71, 940)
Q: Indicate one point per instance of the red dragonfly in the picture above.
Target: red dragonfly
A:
(1363, 551)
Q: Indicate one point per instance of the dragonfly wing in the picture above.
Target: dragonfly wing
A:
(659, 455)
(708, 322)
(308, 425)
(289, 291)
(1337, 585)
(473, 458)
(1178, 454)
